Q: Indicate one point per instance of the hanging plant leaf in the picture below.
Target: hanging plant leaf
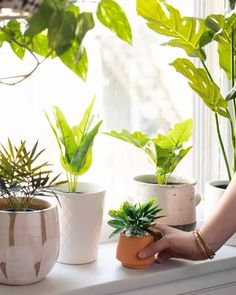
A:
(76, 60)
(85, 23)
(186, 32)
(112, 16)
(202, 85)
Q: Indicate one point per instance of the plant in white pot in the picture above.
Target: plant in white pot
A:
(133, 223)
(29, 225)
(214, 28)
(79, 232)
(165, 153)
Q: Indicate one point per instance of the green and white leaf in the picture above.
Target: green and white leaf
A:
(112, 16)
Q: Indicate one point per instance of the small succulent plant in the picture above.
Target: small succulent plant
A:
(134, 220)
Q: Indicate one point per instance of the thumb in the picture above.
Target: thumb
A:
(154, 248)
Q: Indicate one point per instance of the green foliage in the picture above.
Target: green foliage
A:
(186, 32)
(164, 151)
(193, 35)
(58, 29)
(22, 178)
(134, 220)
(75, 143)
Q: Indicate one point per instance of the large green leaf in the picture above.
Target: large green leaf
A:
(175, 137)
(85, 23)
(81, 128)
(15, 38)
(223, 28)
(39, 44)
(61, 28)
(202, 85)
(80, 155)
(66, 135)
(137, 138)
(111, 15)
(75, 58)
(186, 32)
(40, 20)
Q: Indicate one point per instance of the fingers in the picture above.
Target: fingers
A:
(154, 248)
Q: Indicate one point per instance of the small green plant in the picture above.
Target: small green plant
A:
(22, 178)
(75, 143)
(164, 151)
(134, 220)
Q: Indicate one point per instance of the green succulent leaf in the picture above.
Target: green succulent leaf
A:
(186, 32)
(202, 85)
(137, 138)
(112, 16)
(134, 219)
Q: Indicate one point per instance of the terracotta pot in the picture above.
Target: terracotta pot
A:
(29, 243)
(128, 248)
(81, 216)
(178, 199)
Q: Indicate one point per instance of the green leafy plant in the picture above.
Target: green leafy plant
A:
(22, 178)
(164, 151)
(57, 29)
(75, 143)
(134, 220)
(193, 35)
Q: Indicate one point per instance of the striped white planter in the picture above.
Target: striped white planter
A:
(29, 243)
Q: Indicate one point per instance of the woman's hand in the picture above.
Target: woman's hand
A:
(174, 244)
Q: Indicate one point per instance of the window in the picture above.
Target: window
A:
(135, 87)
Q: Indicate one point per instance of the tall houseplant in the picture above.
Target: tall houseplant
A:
(193, 35)
(58, 29)
(165, 152)
(29, 227)
(79, 232)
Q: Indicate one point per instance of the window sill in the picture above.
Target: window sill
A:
(107, 276)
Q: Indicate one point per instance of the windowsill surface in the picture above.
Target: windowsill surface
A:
(107, 276)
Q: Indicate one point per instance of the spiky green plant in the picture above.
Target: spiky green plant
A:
(22, 178)
(134, 220)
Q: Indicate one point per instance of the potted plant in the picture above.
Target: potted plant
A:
(29, 227)
(165, 152)
(57, 29)
(133, 224)
(220, 29)
(79, 232)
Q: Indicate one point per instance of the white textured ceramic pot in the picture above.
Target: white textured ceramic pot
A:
(21, 5)
(81, 216)
(177, 199)
(29, 243)
(213, 193)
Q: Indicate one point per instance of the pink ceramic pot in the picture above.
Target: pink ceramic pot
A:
(29, 243)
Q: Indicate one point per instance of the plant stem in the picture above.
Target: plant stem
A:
(222, 146)
(234, 102)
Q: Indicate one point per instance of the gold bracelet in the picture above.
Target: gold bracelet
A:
(208, 252)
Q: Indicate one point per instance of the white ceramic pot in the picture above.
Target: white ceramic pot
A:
(177, 199)
(214, 191)
(21, 5)
(29, 243)
(81, 216)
